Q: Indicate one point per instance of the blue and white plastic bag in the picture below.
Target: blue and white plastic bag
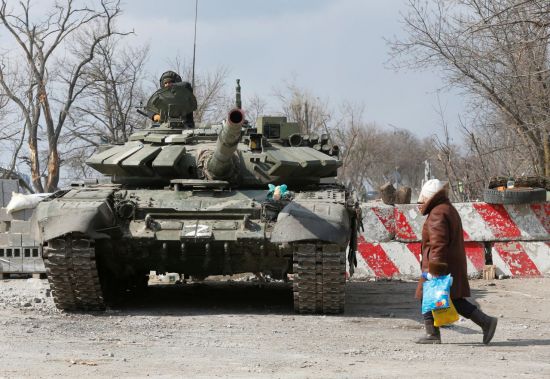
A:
(436, 292)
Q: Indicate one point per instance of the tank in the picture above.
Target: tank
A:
(194, 200)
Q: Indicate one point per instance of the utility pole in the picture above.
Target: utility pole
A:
(194, 45)
(306, 117)
(427, 171)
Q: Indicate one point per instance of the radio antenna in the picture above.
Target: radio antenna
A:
(194, 45)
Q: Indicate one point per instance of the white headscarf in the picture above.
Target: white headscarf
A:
(430, 188)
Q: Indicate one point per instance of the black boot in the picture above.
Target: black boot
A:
(432, 334)
(487, 323)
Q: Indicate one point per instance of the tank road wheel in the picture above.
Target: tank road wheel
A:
(319, 278)
(72, 273)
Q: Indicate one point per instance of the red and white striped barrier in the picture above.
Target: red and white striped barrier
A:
(517, 237)
(483, 222)
(387, 259)
(408, 223)
(402, 260)
(378, 222)
(521, 259)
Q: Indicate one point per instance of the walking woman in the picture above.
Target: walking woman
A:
(443, 253)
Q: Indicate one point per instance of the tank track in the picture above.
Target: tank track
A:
(72, 273)
(319, 278)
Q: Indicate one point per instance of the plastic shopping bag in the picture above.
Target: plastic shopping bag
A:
(436, 293)
(21, 201)
(445, 316)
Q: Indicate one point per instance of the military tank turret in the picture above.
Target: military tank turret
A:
(193, 200)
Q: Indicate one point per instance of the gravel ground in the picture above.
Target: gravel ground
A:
(237, 329)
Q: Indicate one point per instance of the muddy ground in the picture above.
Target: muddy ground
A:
(240, 330)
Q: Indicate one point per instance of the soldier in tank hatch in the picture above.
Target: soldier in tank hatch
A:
(169, 79)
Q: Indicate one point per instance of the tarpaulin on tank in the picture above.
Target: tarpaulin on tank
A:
(87, 214)
(301, 221)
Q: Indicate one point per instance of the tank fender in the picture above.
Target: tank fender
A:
(56, 218)
(301, 221)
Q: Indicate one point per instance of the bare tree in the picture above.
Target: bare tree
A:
(254, 106)
(12, 139)
(301, 106)
(55, 49)
(353, 135)
(497, 51)
(106, 110)
(372, 156)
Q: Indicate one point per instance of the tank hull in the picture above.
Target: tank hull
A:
(120, 235)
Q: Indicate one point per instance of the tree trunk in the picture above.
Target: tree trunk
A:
(53, 155)
(53, 169)
(35, 165)
(546, 143)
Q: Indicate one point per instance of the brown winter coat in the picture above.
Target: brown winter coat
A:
(443, 245)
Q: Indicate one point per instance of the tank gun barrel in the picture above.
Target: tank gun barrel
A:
(220, 164)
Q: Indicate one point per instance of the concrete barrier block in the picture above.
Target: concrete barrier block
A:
(9, 186)
(402, 260)
(27, 265)
(14, 239)
(23, 215)
(4, 216)
(6, 197)
(408, 223)
(482, 222)
(496, 222)
(15, 265)
(39, 266)
(27, 214)
(20, 226)
(521, 259)
(388, 260)
(27, 240)
(378, 222)
(18, 215)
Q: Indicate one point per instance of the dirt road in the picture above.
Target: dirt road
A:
(239, 330)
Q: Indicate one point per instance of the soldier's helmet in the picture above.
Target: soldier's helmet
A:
(169, 77)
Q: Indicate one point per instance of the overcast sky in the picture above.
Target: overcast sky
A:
(333, 48)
